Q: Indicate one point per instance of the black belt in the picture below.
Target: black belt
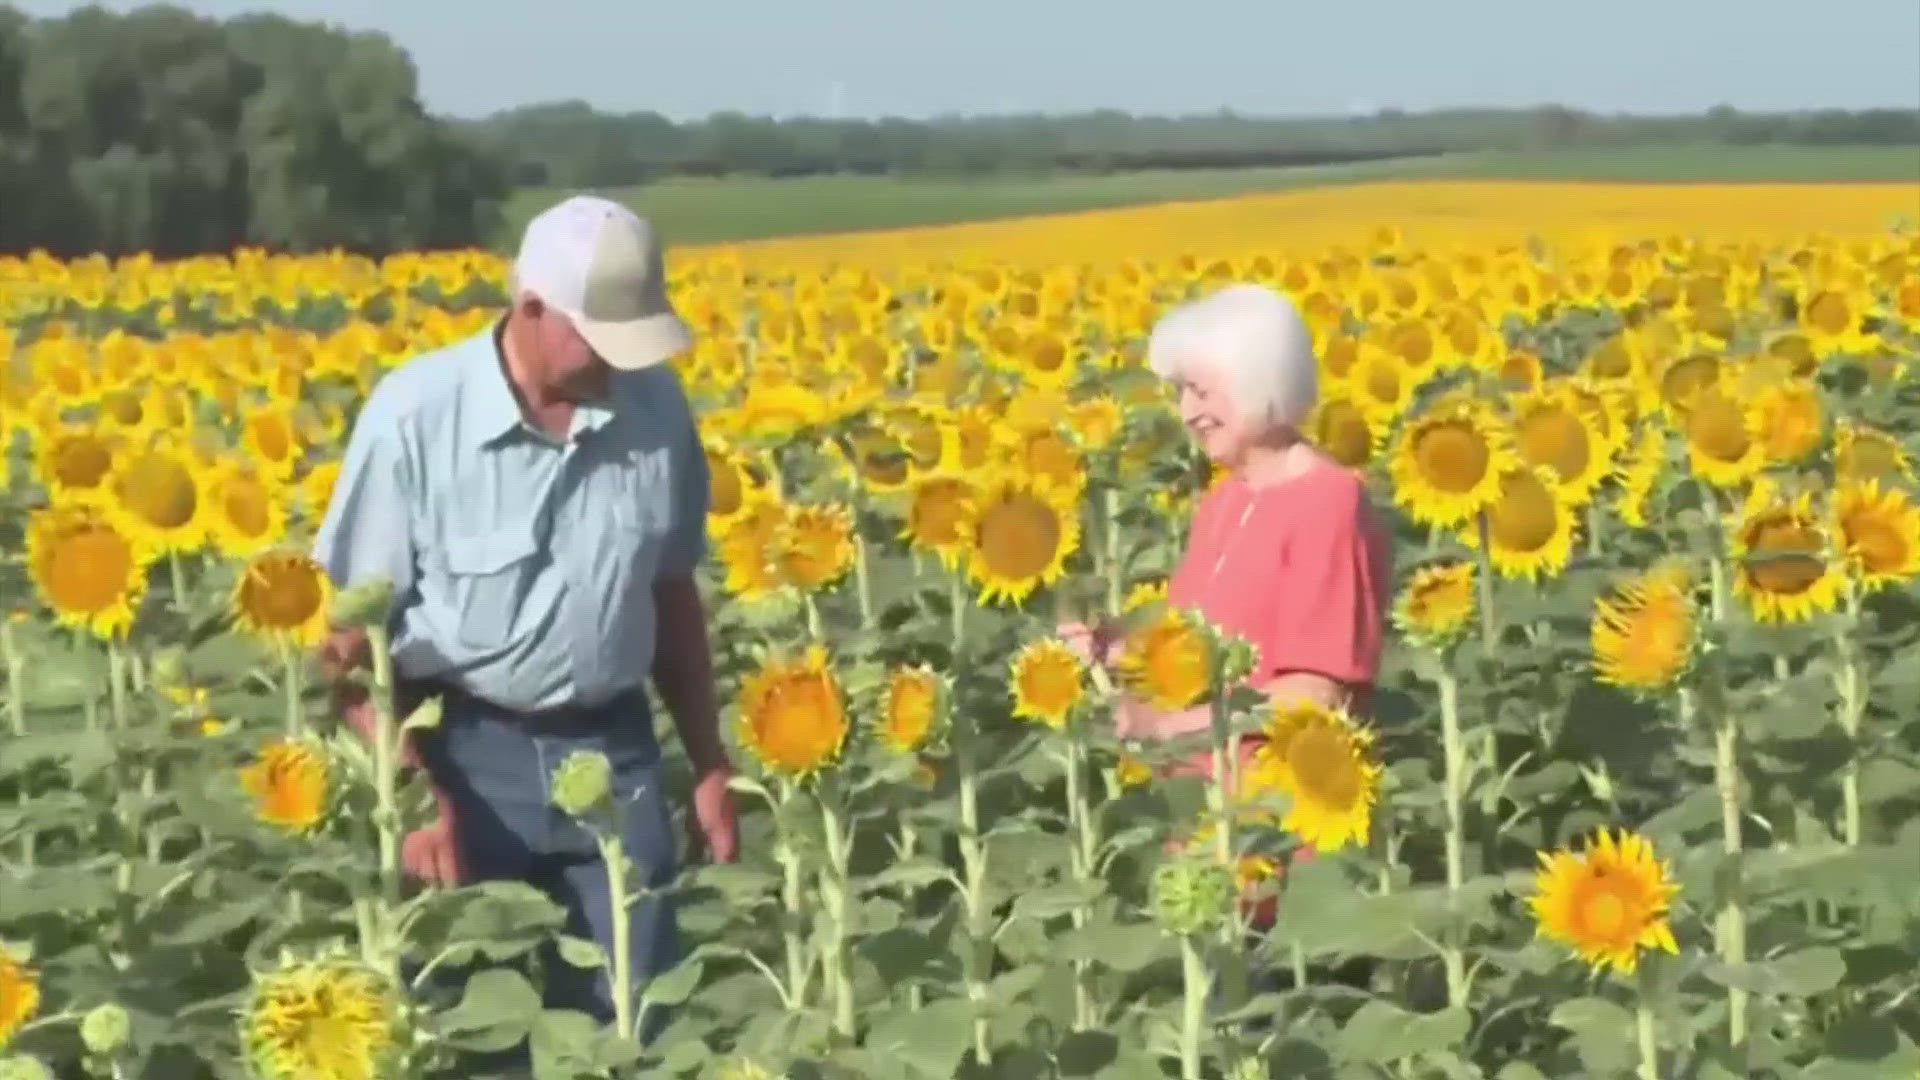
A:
(411, 692)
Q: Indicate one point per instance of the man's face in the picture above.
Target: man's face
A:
(567, 366)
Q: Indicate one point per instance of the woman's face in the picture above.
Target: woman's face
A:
(1208, 410)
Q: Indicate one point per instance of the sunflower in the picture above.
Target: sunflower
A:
(1644, 634)
(159, 497)
(1878, 529)
(1553, 432)
(1438, 605)
(910, 708)
(1783, 570)
(284, 595)
(1448, 464)
(1792, 421)
(90, 572)
(1607, 903)
(75, 462)
(792, 716)
(1861, 452)
(1049, 682)
(1323, 762)
(1019, 534)
(746, 547)
(1130, 771)
(1832, 323)
(1341, 429)
(1724, 442)
(1639, 471)
(246, 512)
(1096, 421)
(1168, 662)
(289, 781)
(1530, 529)
(321, 1020)
(816, 546)
(19, 993)
(1143, 594)
(938, 508)
(729, 480)
(271, 443)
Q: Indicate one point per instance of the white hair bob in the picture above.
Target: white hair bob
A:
(1256, 338)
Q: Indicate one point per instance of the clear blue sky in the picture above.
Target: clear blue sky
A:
(921, 57)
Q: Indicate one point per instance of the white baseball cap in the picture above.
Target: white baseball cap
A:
(600, 264)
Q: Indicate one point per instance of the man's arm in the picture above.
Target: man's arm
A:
(365, 536)
(683, 671)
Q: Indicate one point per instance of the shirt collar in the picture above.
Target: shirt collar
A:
(490, 402)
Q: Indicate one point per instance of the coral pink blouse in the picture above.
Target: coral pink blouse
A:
(1301, 569)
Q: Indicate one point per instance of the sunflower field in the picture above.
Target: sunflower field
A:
(1638, 793)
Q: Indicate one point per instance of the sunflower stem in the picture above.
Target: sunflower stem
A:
(1115, 572)
(973, 852)
(1455, 751)
(834, 894)
(1196, 981)
(1483, 557)
(1086, 1012)
(386, 749)
(613, 853)
(116, 685)
(1732, 923)
(973, 858)
(862, 580)
(1851, 686)
(292, 684)
(177, 580)
(1646, 1032)
(793, 899)
(16, 667)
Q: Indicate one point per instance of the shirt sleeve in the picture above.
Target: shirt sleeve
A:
(1327, 608)
(367, 533)
(686, 539)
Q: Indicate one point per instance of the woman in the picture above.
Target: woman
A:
(1286, 551)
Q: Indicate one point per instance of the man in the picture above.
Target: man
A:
(537, 496)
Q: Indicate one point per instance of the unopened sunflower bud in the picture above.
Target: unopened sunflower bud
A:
(168, 669)
(1248, 1069)
(425, 716)
(746, 1069)
(363, 605)
(1237, 660)
(105, 1029)
(583, 782)
(24, 1068)
(1191, 896)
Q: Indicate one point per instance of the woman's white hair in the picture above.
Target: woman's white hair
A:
(1253, 335)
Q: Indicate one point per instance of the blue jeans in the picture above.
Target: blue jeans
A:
(495, 770)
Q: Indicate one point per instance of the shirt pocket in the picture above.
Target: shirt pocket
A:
(490, 574)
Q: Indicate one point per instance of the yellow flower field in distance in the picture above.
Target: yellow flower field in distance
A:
(1638, 791)
(1442, 214)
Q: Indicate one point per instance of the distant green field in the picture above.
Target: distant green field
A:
(748, 208)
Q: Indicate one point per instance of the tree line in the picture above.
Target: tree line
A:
(571, 144)
(164, 131)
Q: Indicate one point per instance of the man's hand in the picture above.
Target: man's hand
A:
(715, 824)
(429, 853)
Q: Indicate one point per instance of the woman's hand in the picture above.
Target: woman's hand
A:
(1089, 643)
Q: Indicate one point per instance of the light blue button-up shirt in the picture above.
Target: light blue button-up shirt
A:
(522, 566)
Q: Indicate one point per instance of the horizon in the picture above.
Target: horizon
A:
(1226, 56)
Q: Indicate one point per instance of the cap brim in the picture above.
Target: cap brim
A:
(642, 343)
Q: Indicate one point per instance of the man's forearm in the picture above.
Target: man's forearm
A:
(683, 672)
(343, 659)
